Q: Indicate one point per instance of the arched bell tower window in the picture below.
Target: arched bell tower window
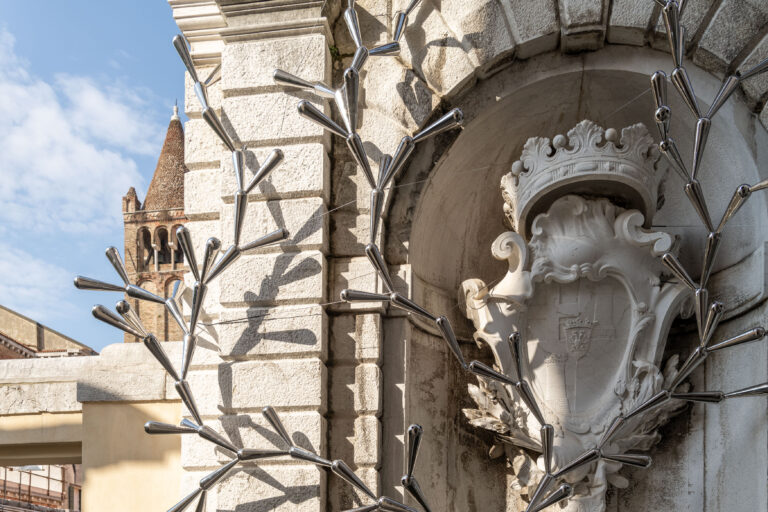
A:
(162, 246)
(178, 255)
(144, 249)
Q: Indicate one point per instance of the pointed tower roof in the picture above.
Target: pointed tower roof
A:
(167, 187)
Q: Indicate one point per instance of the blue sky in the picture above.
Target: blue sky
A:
(86, 92)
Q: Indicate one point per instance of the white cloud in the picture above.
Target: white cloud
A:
(66, 148)
(34, 287)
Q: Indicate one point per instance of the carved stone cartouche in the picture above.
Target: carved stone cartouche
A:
(585, 293)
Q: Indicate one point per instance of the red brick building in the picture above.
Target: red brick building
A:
(153, 258)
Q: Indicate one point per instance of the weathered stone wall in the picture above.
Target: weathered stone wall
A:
(353, 377)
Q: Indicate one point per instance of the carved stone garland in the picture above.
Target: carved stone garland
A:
(547, 368)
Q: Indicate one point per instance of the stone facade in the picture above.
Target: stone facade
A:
(348, 379)
(153, 257)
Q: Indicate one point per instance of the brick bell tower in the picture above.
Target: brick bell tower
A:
(153, 257)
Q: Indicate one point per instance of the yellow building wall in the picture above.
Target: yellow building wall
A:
(43, 438)
(125, 468)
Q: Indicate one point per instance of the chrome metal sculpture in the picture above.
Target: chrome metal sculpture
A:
(552, 489)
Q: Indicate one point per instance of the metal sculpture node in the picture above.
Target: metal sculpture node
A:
(552, 488)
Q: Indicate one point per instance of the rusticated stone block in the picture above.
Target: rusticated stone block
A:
(267, 279)
(202, 148)
(629, 21)
(192, 105)
(249, 65)
(270, 118)
(367, 441)
(273, 488)
(368, 389)
(199, 199)
(534, 25)
(267, 332)
(303, 172)
(305, 219)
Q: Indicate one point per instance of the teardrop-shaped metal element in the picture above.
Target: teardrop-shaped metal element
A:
(673, 264)
(450, 338)
(186, 501)
(129, 315)
(547, 433)
(671, 16)
(683, 84)
(353, 25)
(669, 149)
(229, 257)
(113, 255)
(384, 162)
(663, 117)
(210, 117)
(201, 91)
(340, 469)
(738, 199)
(729, 86)
(449, 121)
(182, 388)
(611, 431)
(156, 427)
(702, 133)
(515, 345)
(563, 492)
(184, 238)
(701, 300)
(86, 283)
(759, 68)
(238, 163)
(187, 351)
(407, 304)
(273, 160)
(241, 203)
(271, 238)
(386, 49)
(311, 112)
(404, 150)
(541, 491)
(142, 294)
(695, 358)
(274, 420)
(348, 295)
(659, 88)
(745, 337)
(387, 504)
(415, 433)
(302, 454)
(256, 454)
(210, 480)
(414, 489)
(656, 400)
(211, 435)
(400, 22)
(631, 459)
(714, 315)
(759, 390)
(374, 256)
(485, 371)
(377, 203)
(201, 502)
(351, 97)
(159, 354)
(701, 396)
(107, 316)
(582, 460)
(358, 60)
(355, 145)
(527, 395)
(198, 296)
(411, 6)
(696, 197)
(173, 309)
(710, 254)
(285, 78)
(212, 248)
(180, 43)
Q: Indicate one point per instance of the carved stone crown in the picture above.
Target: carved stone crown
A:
(589, 161)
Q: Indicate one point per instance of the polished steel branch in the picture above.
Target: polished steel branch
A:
(409, 481)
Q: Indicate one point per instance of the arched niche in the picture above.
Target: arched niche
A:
(449, 222)
(441, 230)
